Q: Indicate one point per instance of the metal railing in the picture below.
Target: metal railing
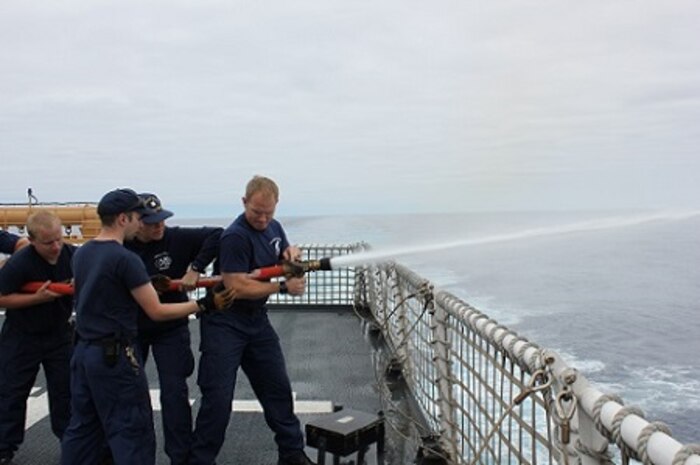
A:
(489, 395)
(462, 375)
(494, 397)
(324, 288)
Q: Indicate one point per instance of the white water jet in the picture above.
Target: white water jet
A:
(374, 256)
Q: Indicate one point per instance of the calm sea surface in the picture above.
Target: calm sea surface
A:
(620, 302)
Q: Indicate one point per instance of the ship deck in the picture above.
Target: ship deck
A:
(329, 362)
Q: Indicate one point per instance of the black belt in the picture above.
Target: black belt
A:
(111, 348)
(100, 341)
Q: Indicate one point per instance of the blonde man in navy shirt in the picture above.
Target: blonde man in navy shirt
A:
(242, 336)
(36, 331)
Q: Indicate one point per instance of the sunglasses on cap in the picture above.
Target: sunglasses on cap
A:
(152, 203)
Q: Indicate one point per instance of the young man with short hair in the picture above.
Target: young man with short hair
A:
(36, 331)
(110, 400)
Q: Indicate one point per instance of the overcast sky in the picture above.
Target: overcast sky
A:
(354, 106)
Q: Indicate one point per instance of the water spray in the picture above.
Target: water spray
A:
(374, 256)
(292, 269)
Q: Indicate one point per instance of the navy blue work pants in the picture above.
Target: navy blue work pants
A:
(175, 363)
(21, 354)
(229, 340)
(108, 404)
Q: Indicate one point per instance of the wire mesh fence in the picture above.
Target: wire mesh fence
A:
(488, 395)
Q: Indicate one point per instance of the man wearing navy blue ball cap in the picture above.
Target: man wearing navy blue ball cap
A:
(178, 253)
(109, 390)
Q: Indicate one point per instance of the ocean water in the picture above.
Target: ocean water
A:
(617, 294)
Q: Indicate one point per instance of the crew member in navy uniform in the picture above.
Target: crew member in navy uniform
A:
(243, 336)
(109, 391)
(36, 331)
(11, 243)
(179, 253)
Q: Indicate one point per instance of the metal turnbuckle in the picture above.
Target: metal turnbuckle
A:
(566, 408)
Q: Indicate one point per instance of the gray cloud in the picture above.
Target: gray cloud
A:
(355, 105)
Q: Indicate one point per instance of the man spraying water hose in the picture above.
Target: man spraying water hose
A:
(243, 336)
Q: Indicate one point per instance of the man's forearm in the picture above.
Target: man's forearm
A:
(18, 300)
(248, 288)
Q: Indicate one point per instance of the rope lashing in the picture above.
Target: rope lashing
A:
(643, 439)
(685, 452)
(627, 451)
(597, 407)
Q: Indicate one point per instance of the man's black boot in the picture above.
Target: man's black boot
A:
(6, 457)
(295, 459)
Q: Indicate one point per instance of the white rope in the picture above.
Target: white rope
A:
(643, 439)
(685, 452)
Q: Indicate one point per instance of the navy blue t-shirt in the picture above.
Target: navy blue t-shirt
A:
(171, 256)
(244, 249)
(105, 274)
(27, 265)
(8, 242)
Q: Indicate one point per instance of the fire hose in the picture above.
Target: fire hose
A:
(164, 283)
(291, 269)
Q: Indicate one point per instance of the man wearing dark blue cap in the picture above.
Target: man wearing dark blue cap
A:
(109, 390)
(178, 253)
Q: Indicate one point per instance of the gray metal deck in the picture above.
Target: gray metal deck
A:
(328, 359)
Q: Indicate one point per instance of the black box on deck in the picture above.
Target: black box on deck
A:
(345, 432)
